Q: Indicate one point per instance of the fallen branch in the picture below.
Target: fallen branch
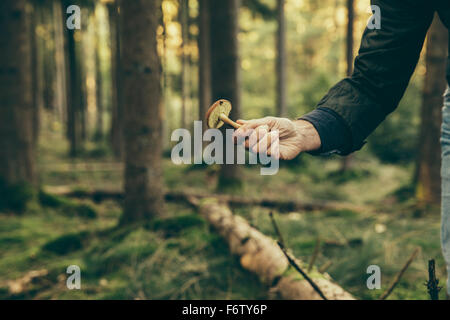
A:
(399, 275)
(280, 205)
(291, 260)
(303, 273)
(261, 255)
(275, 227)
(433, 283)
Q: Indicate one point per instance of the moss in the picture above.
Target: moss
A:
(175, 225)
(405, 192)
(344, 213)
(82, 211)
(343, 176)
(4, 293)
(66, 207)
(291, 272)
(49, 200)
(229, 185)
(66, 243)
(15, 197)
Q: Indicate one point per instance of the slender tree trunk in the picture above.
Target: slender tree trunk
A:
(165, 84)
(48, 65)
(204, 61)
(347, 161)
(35, 72)
(116, 135)
(16, 95)
(350, 36)
(81, 62)
(60, 62)
(184, 18)
(99, 94)
(74, 89)
(281, 60)
(225, 72)
(142, 95)
(428, 176)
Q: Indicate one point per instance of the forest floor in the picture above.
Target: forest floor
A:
(181, 257)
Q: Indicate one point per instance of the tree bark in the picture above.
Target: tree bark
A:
(204, 61)
(142, 95)
(347, 161)
(225, 74)
(48, 65)
(74, 88)
(16, 95)
(281, 60)
(35, 73)
(116, 134)
(428, 176)
(99, 93)
(184, 21)
(350, 36)
(60, 63)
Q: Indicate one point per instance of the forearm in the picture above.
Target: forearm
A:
(383, 67)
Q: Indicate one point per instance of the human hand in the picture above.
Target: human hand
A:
(279, 137)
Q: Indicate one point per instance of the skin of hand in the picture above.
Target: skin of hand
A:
(281, 137)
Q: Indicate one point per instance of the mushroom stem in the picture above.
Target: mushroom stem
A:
(227, 120)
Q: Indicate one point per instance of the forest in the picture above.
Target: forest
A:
(94, 206)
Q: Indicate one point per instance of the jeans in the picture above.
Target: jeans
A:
(445, 173)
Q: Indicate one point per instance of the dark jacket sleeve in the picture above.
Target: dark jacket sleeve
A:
(384, 65)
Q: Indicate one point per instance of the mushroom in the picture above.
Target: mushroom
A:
(218, 113)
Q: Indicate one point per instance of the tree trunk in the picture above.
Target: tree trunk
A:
(428, 176)
(281, 61)
(204, 61)
(35, 73)
(347, 161)
(74, 88)
(99, 94)
(184, 21)
(116, 135)
(16, 95)
(60, 63)
(142, 95)
(225, 74)
(48, 65)
(350, 36)
(165, 85)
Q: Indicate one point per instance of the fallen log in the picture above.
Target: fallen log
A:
(233, 201)
(261, 255)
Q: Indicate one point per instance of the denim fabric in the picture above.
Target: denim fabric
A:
(445, 172)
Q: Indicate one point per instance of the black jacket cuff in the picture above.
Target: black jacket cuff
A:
(334, 133)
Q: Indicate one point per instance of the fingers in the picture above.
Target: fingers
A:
(256, 135)
(274, 150)
(268, 143)
(249, 125)
(263, 143)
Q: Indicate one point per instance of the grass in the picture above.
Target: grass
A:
(180, 257)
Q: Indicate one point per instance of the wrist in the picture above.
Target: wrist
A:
(309, 138)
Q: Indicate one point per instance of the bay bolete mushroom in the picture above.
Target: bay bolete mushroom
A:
(218, 113)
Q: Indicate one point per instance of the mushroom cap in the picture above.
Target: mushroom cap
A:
(219, 107)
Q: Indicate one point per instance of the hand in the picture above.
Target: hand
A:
(280, 137)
